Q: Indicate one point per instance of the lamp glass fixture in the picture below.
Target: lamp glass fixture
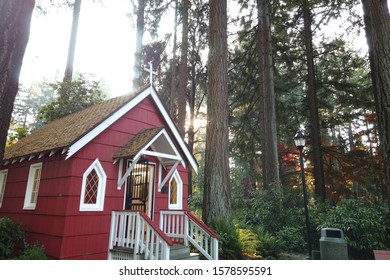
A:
(299, 139)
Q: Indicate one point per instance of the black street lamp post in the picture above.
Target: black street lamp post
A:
(300, 141)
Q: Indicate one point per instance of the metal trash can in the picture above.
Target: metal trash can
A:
(333, 246)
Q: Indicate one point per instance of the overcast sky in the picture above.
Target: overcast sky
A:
(104, 46)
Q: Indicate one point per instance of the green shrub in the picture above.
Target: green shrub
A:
(195, 201)
(34, 252)
(229, 244)
(366, 227)
(292, 239)
(13, 244)
(275, 209)
(11, 238)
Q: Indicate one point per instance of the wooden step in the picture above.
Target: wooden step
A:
(177, 252)
(121, 253)
(190, 256)
(182, 252)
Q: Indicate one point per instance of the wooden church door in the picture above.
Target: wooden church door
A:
(139, 188)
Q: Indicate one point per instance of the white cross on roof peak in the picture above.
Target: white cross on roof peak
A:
(151, 72)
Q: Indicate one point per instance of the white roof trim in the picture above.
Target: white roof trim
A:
(176, 156)
(174, 130)
(52, 152)
(32, 156)
(161, 155)
(106, 123)
(127, 107)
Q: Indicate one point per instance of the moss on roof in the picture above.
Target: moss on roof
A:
(138, 142)
(63, 132)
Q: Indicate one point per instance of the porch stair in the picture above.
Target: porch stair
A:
(134, 236)
(177, 252)
(182, 252)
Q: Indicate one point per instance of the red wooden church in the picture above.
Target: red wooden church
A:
(106, 182)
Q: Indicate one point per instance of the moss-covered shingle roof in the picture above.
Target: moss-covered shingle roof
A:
(63, 132)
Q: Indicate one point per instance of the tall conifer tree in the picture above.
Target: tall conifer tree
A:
(377, 24)
(217, 193)
(15, 21)
(267, 93)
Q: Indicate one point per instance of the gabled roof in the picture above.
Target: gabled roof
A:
(153, 141)
(71, 133)
(63, 132)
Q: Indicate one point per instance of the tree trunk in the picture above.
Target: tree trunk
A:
(315, 134)
(182, 92)
(15, 20)
(377, 24)
(267, 93)
(72, 41)
(138, 44)
(191, 128)
(173, 95)
(217, 193)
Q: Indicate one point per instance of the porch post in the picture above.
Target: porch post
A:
(215, 249)
(137, 234)
(111, 239)
(186, 229)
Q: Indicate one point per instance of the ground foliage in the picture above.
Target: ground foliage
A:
(13, 244)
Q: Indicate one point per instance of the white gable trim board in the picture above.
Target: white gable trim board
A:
(75, 147)
(175, 156)
(174, 130)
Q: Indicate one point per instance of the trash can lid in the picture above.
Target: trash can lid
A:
(332, 233)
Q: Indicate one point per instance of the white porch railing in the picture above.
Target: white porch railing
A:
(184, 227)
(135, 230)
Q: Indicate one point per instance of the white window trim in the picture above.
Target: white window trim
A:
(179, 204)
(3, 180)
(28, 205)
(99, 205)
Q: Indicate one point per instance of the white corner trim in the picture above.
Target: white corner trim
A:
(106, 123)
(120, 169)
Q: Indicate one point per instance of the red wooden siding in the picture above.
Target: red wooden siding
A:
(57, 223)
